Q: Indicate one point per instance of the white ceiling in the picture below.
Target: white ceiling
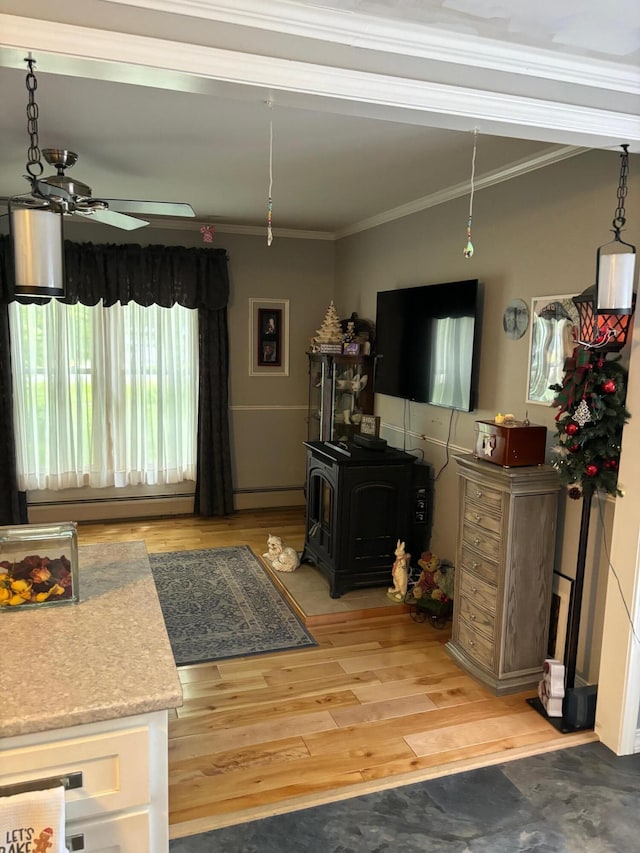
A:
(373, 103)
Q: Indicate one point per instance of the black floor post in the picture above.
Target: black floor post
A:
(578, 586)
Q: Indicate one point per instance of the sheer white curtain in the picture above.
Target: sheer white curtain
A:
(451, 357)
(104, 396)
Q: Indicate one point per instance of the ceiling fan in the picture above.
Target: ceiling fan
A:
(36, 217)
(64, 194)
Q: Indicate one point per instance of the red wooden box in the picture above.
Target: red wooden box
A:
(510, 445)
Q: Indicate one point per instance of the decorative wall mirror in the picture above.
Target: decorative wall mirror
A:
(515, 319)
(554, 331)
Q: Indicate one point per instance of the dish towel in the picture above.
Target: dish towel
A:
(33, 822)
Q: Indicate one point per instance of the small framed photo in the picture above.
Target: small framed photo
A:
(269, 337)
(270, 333)
(351, 348)
(370, 425)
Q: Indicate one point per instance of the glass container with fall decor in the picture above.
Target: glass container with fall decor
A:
(38, 565)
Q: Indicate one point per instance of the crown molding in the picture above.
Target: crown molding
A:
(368, 32)
(159, 62)
(507, 173)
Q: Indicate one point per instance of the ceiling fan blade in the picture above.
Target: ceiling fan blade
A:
(151, 208)
(112, 217)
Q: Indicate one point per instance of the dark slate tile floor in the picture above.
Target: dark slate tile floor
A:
(582, 799)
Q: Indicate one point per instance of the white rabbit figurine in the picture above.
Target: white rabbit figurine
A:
(400, 573)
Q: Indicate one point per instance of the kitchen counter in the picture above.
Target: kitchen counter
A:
(104, 658)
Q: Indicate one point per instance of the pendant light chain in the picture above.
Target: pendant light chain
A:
(34, 163)
(468, 249)
(619, 218)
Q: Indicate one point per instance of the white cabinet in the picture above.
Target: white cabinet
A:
(122, 803)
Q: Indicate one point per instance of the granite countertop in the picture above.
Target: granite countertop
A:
(106, 657)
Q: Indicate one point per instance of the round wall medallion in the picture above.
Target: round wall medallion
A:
(515, 319)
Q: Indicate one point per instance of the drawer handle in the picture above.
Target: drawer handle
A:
(478, 517)
(478, 493)
(476, 541)
(471, 643)
(69, 782)
(472, 616)
(475, 565)
(474, 589)
(75, 842)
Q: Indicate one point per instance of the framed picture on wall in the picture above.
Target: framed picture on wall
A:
(269, 337)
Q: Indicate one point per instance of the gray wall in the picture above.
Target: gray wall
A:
(536, 235)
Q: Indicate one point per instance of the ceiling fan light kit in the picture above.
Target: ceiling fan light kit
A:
(38, 257)
(36, 219)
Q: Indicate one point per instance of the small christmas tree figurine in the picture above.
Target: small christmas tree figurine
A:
(592, 414)
(330, 332)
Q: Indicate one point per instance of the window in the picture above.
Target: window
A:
(104, 396)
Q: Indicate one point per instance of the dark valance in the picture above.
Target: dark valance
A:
(127, 272)
(147, 275)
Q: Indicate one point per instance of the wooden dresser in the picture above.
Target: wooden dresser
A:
(504, 571)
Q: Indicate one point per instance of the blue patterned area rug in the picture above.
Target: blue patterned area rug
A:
(221, 603)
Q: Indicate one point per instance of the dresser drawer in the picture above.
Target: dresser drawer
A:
(114, 767)
(487, 569)
(477, 515)
(475, 644)
(482, 594)
(483, 620)
(487, 543)
(486, 497)
(126, 833)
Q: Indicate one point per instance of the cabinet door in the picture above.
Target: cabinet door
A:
(320, 411)
(377, 513)
(340, 392)
(321, 514)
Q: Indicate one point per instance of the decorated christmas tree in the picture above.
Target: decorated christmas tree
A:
(592, 414)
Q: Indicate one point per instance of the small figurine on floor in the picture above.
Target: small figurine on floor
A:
(400, 574)
(281, 557)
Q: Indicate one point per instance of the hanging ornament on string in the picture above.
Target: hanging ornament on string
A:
(207, 232)
(270, 198)
(468, 249)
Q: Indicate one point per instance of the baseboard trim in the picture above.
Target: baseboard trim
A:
(112, 510)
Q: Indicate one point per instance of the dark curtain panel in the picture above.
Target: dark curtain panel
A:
(162, 275)
(214, 488)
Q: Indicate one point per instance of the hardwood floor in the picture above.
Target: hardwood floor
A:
(377, 703)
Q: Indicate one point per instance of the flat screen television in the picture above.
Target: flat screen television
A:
(427, 343)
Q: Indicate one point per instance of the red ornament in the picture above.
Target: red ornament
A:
(609, 387)
(611, 464)
(591, 470)
(571, 429)
(600, 363)
(574, 448)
